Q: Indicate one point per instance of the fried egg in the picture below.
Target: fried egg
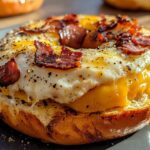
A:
(106, 78)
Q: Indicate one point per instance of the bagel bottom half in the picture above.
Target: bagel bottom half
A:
(52, 122)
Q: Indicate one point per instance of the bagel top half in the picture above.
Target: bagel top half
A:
(87, 63)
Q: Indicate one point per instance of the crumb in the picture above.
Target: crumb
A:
(11, 140)
(22, 141)
(3, 137)
(28, 142)
(112, 143)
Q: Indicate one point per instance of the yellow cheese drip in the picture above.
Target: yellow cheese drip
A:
(115, 94)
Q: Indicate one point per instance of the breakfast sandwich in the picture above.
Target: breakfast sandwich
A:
(76, 79)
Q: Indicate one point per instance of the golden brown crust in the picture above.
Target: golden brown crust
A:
(59, 125)
(130, 4)
(15, 8)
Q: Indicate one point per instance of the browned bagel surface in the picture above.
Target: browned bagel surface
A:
(54, 123)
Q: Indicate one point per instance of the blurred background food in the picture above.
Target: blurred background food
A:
(61, 7)
(130, 4)
(15, 7)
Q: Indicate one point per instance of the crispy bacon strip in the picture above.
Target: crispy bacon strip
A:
(27, 30)
(55, 25)
(70, 19)
(72, 35)
(130, 48)
(125, 44)
(102, 34)
(46, 57)
(103, 26)
(124, 37)
(50, 25)
(93, 40)
(141, 40)
(123, 19)
(9, 73)
(127, 24)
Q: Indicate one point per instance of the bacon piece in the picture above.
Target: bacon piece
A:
(124, 37)
(125, 44)
(109, 36)
(32, 31)
(103, 26)
(123, 19)
(103, 16)
(141, 40)
(130, 48)
(50, 25)
(72, 36)
(55, 25)
(46, 57)
(9, 73)
(127, 24)
(70, 19)
(109, 31)
(93, 40)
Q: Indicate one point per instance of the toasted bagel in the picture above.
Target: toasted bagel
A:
(76, 79)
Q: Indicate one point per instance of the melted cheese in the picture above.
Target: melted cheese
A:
(116, 94)
(103, 97)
